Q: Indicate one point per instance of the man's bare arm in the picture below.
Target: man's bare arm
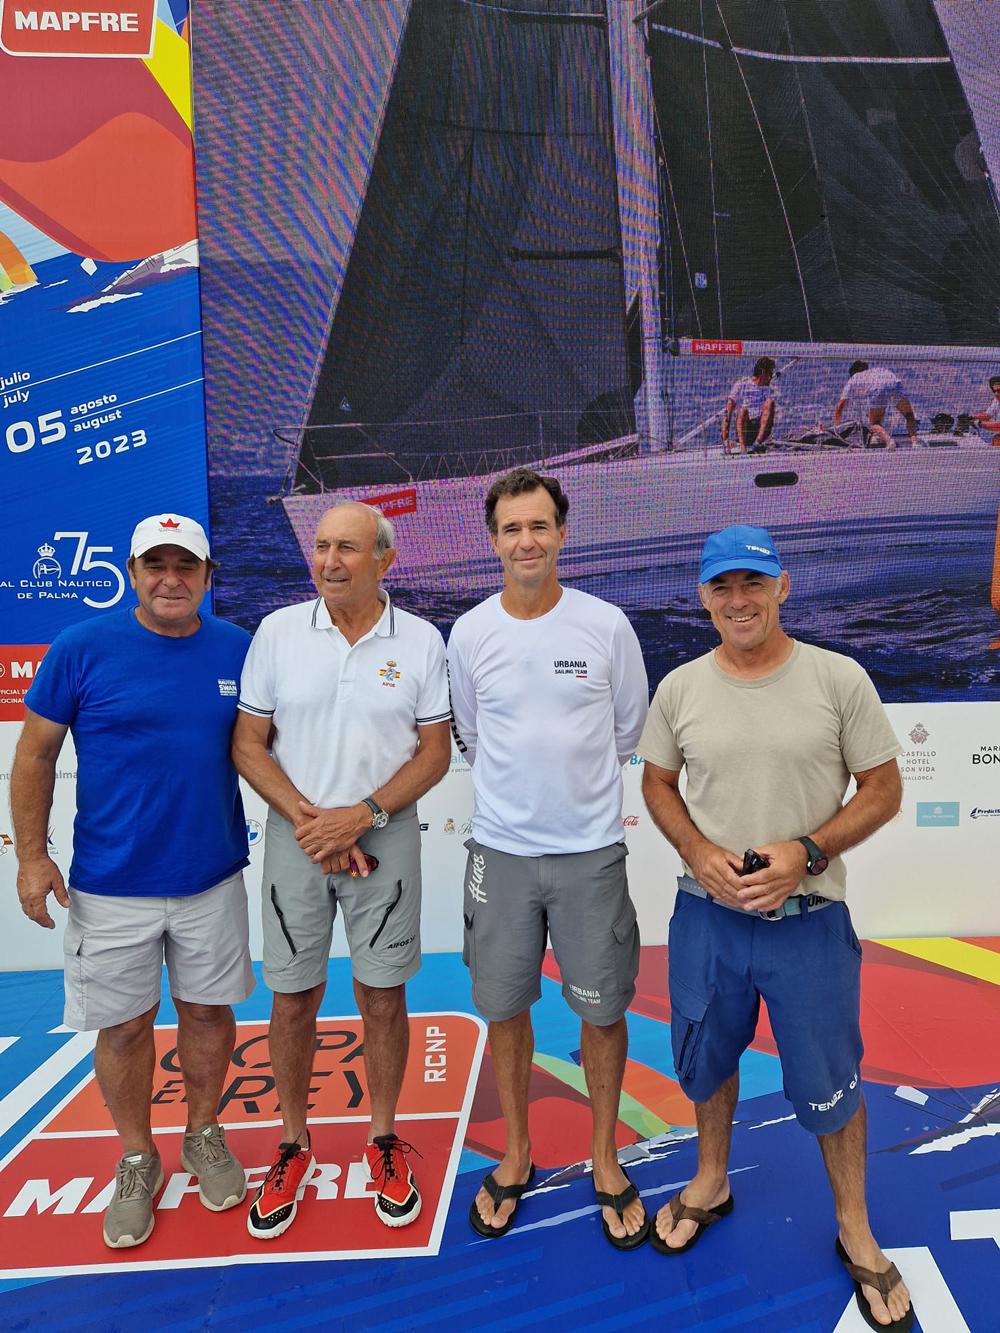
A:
(32, 781)
(254, 762)
(324, 833)
(766, 418)
(838, 411)
(730, 408)
(714, 867)
(875, 802)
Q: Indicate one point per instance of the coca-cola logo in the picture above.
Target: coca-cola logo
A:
(630, 821)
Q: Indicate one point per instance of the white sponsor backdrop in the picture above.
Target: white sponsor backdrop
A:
(931, 872)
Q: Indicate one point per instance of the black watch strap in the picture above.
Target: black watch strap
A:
(817, 861)
(375, 808)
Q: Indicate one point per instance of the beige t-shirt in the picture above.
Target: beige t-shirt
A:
(769, 760)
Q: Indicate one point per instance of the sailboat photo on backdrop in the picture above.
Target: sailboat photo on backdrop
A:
(584, 223)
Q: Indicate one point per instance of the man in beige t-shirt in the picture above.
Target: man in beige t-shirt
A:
(770, 732)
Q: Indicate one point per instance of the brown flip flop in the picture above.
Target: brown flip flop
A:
(883, 1283)
(680, 1212)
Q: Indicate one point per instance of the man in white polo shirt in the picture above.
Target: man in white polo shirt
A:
(343, 725)
(549, 693)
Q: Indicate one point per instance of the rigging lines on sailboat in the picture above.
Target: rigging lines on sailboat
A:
(797, 59)
(841, 60)
(711, 172)
(537, 15)
(774, 178)
(665, 165)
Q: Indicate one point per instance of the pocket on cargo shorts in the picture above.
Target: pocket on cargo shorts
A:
(687, 1021)
(626, 933)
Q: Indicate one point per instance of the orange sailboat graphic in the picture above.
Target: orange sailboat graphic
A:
(15, 271)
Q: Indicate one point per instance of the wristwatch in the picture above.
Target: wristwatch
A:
(816, 862)
(380, 818)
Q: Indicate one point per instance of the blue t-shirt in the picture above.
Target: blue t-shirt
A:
(159, 811)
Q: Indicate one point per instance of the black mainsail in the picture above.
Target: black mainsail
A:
(482, 316)
(820, 174)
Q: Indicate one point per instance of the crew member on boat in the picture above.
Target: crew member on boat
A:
(752, 400)
(868, 393)
(989, 418)
(770, 731)
(343, 725)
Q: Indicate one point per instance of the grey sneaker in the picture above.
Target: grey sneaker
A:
(129, 1219)
(222, 1182)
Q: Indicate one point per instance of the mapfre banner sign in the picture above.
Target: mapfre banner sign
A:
(56, 1184)
(108, 31)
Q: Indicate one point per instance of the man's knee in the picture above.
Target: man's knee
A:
(610, 1031)
(123, 1037)
(296, 1006)
(203, 1015)
(381, 1006)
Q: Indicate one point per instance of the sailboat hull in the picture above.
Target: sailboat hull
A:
(656, 510)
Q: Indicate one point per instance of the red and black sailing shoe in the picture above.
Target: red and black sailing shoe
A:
(273, 1210)
(397, 1201)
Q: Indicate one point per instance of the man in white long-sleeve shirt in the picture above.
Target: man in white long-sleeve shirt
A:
(549, 695)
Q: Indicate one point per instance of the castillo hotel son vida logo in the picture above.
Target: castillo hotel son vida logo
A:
(918, 764)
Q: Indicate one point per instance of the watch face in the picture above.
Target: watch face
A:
(380, 820)
(816, 862)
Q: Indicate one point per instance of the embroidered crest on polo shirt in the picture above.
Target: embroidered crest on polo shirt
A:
(390, 674)
(569, 667)
(227, 688)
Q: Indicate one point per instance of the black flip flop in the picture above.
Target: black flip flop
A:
(498, 1193)
(883, 1282)
(619, 1202)
(705, 1217)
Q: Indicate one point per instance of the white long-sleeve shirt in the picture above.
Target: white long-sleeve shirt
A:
(546, 712)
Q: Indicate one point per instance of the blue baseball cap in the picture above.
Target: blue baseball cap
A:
(739, 548)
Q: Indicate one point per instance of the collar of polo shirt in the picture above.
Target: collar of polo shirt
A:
(385, 625)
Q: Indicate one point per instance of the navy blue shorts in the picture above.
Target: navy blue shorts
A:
(808, 971)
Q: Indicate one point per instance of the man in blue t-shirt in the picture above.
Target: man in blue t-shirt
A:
(159, 846)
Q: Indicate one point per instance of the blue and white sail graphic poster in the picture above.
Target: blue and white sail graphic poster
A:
(101, 397)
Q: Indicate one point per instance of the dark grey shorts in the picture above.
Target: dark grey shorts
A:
(381, 913)
(580, 900)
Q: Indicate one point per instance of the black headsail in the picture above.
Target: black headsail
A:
(821, 177)
(482, 316)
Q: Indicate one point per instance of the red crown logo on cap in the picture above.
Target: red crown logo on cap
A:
(169, 523)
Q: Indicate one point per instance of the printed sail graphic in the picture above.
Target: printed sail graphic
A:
(482, 311)
(834, 138)
(15, 271)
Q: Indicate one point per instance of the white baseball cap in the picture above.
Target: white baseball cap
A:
(170, 530)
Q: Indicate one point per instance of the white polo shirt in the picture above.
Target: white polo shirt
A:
(877, 387)
(345, 716)
(751, 395)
